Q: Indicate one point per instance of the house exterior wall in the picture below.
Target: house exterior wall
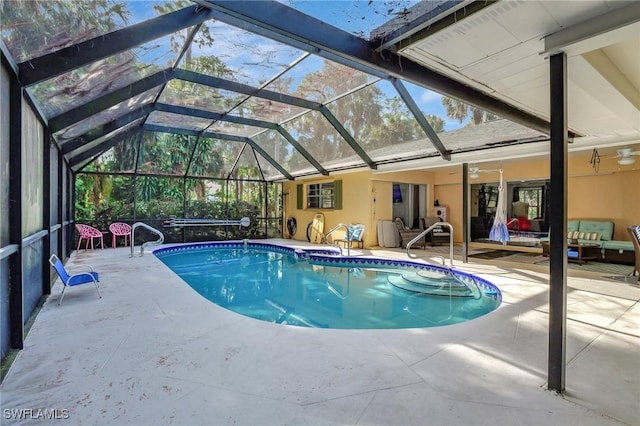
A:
(367, 198)
(613, 193)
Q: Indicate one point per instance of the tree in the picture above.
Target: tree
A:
(436, 123)
(400, 122)
(206, 161)
(359, 112)
(32, 28)
(459, 110)
(313, 130)
(203, 37)
(395, 125)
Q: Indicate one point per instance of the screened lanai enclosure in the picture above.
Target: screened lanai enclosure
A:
(173, 108)
(130, 111)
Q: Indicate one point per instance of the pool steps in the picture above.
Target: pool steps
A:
(433, 283)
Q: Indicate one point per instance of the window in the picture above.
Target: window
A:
(326, 195)
(533, 197)
(321, 195)
(492, 197)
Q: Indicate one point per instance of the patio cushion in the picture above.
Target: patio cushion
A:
(618, 245)
(588, 236)
(573, 225)
(600, 243)
(356, 232)
(602, 227)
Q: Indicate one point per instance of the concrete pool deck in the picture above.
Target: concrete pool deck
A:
(152, 351)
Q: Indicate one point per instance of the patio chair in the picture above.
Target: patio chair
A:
(119, 229)
(356, 233)
(438, 235)
(407, 234)
(89, 233)
(634, 230)
(75, 279)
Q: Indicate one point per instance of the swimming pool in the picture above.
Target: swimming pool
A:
(317, 288)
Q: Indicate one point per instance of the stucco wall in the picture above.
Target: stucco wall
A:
(611, 194)
(367, 198)
(357, 205)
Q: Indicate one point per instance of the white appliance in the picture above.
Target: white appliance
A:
(441, 212)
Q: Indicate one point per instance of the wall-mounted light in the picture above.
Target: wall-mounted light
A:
(473, 172)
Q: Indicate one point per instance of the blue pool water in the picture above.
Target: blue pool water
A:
(319, 289)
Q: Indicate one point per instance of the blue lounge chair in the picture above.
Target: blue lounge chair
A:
(75, 279)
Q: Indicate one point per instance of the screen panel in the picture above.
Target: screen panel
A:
(322, 141)
(193, 95)
(82, 127)
(320, 80)
(379, 120)
(32, 172)
(72, 89)
(35, 28)
(214, 158)
(4, 157)
(229, 52)
(165, 153)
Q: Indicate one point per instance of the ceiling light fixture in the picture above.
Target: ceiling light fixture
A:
(625, 161)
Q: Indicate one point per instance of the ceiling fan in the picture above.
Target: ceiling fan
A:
(625, 156)
(474, 172)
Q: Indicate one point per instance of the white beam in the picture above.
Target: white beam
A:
(604, 30)
(610, 72)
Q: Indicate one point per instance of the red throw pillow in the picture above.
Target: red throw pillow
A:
(524, 224)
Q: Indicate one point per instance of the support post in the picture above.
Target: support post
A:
(558, 223)
(184, 206)
(265, 187)
(71, 185)
(465, 213)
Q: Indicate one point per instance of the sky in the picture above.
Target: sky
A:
(357, 17)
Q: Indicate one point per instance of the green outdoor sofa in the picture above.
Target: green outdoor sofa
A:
(600, 232)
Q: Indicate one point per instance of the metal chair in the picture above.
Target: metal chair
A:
(75, 279)
(88, 233)
(119, 229)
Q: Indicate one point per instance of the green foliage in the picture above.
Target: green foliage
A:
(157, 198)
(435, 122)
(31, 27)
(40, 26)
(460, 111)
(202, 39)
